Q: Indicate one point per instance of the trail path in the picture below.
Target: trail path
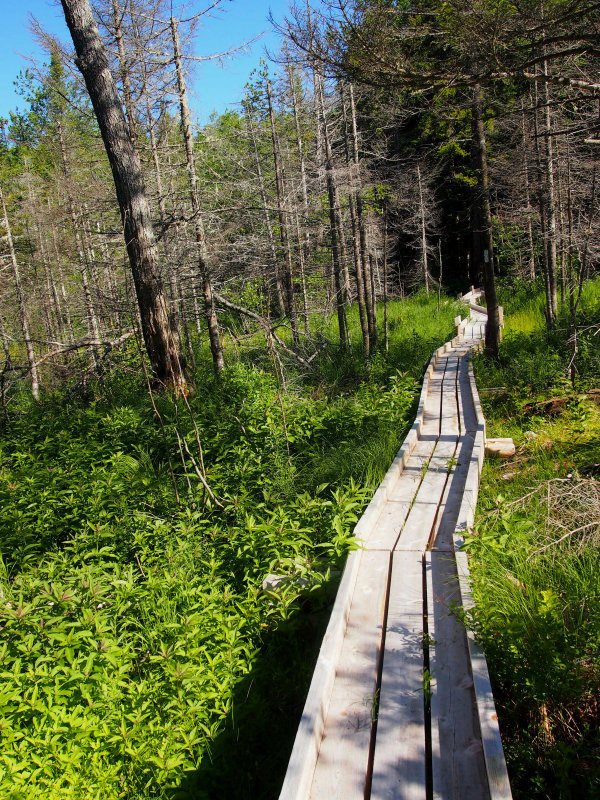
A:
(400, 704)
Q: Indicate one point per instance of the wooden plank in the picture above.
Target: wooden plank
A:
(466, 514)
(457, 483)
(393, 515)
(466, 407)
(399, 768)
(420, 524)
(305, 751)
(495, 763)
(449, 422)
(431, 412)
(342, 763)
(458, 765)
(453, 497)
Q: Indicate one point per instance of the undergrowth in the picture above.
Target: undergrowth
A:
(535, 555)
(146, 651)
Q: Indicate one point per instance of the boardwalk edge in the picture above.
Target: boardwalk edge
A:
(499, 784)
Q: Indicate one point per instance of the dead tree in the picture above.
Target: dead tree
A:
(23, 317)
(160, 338)
(186, 126)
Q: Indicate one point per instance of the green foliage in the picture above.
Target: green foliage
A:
(138, 643)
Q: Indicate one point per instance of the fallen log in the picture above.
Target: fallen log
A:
(555, 405)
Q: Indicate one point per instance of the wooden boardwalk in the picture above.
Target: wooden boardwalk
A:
(400, 704)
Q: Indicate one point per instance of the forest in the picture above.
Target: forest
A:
(213, 339)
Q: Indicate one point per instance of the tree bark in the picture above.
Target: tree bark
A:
(334, 221)
(186, 125)
(35, 384)
(161, 340)
(301, 230)
(386, 332)
(366, 268)
(550, 198)
(283, 222)
(356, 244)
(118, 13)
(423, 230)
(527, 196)
(263, 197)
(492, 331)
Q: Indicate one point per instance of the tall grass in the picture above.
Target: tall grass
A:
(535, 554)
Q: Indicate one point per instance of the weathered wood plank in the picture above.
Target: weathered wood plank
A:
(365, 525)
(466, 407)
(393, 515)
(343, 759)
(449, 418)
(453, 497)
(455, 487)
(495, 763)
(304, 754)
(420, 524)
(399, 764)
(458, 766)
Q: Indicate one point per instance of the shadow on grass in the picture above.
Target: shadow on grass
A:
(249, 758)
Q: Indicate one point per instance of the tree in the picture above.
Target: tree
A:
(23, 316)
(160, 337)
(186, 127)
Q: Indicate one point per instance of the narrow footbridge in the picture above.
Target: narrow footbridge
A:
(400, 705)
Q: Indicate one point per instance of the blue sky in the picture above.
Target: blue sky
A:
(214, 88)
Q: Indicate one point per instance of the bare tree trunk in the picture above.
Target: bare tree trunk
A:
(178, 311)
(209, 304)
(302, 265)
(283, 222)
(300, 147)
(561, 242)
(302, 230)
(35, 385)
(550, 205)
(63, 291)
(162, 342)
(6, 367)
(492, 331)
(263, 197)
(541, 195)
(116, 316)
(92, 263)
(527, 196)
(49, 277)
(356, 244)
(423, 230)
(386, 332)
(367, 278)
(439, 301)
(334, 222)
(372, 270)
(92, 320)
(575, 296)
(118, 14)
(570, 276)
